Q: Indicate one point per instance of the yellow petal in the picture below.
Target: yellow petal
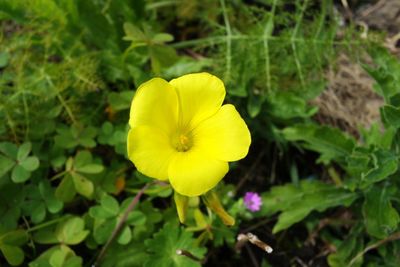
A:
(224, 136)
(150, 150)
(200, 96)
(191, 173)
(156, 105)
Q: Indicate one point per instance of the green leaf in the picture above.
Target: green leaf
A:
(82, 185)
(14, 255)
(391, 115)
(45, 236)
(4, 58)
(380, 218)
(136, 218)
(134, 34)
(385, 164)
(9, 243)
(102, 229)
(9, 149)
(71, 231)
(296, 202)
(90, 168)
(131, 255)
(23, 151)
(6, 165)
(125, 236)
(331, 143)
(162, 247)
(119, 101)
(161, 38)
(109, 204)
(16, 238)
(48, 194)
(57, 258)
(286, 105)
(30, 163)
(66, 189)
(82, 158)
(19, 174)
(348, 249)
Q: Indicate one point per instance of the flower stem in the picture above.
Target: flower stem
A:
(120, 224)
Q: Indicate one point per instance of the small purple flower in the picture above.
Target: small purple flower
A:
(252, 201)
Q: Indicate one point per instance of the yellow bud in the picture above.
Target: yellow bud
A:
(181, 203)
(212, 201)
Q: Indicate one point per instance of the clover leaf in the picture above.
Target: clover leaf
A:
(106, 216)
(114, 136)
(70, 137)
(17, 160)
(10, 243)
(75, 178)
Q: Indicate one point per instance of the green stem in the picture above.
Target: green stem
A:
(46, 224)
(120, 225)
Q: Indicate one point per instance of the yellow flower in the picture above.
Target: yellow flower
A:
(181, 132)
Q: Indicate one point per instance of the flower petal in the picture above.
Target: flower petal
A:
(156, 105)
(192, 173)
(200, 96)
(151, 151)
(224, 136)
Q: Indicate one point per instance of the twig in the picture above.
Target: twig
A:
(251, 170)
(120, 224)
(392, 237)
(243, 238)
(182, 252)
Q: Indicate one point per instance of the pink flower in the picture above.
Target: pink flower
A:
(252, 201)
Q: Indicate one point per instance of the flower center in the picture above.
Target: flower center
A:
(182, 142)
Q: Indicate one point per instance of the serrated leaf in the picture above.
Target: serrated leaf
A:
(391, 115)
(348, 249)
(380, 218)
(162, 247)
(331, 143)
(131, 255)
(385, 164)
(296, 202)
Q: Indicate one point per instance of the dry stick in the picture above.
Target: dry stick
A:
(120, 224)
(182, 252)
(392, 237)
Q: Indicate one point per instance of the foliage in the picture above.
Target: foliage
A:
(68, 70)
